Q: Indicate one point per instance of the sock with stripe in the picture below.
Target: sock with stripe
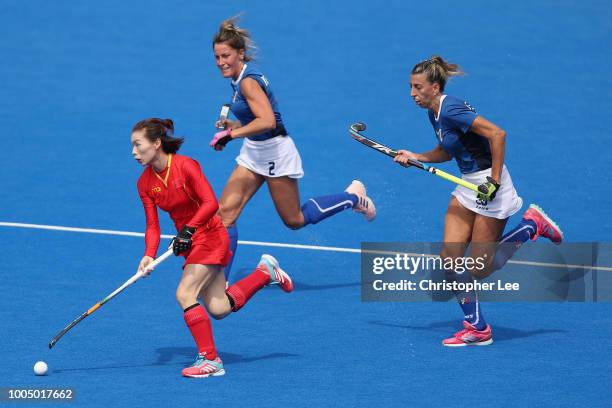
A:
(468, 300)
(240, 292)
(319, 208)
(520, 234)
(198, 322)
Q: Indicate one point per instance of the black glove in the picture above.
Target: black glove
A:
(488, 189)
(182, 242)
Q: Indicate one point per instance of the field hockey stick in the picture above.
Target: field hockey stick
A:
(357, 128)
(120, 289)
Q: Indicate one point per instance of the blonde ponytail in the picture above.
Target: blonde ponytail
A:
(236, 37)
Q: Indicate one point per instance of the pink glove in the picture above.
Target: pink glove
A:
(221, 138)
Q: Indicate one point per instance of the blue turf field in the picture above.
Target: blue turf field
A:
(74, 78)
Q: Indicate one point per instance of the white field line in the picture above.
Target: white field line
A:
(283, 245)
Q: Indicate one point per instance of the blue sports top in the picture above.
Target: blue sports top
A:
(240, 107)
(452, 126)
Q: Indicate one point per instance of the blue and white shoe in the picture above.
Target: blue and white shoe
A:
(203, 368)
(277, 275)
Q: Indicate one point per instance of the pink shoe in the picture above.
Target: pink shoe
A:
(547, 228)
(364, 205)
(203, 368)
(469, 336)
(277, 275)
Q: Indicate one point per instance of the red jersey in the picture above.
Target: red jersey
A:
(182, 191)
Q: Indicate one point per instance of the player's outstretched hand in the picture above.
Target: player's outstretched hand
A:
(142, 267)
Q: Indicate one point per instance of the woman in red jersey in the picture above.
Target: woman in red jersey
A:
(175, 184)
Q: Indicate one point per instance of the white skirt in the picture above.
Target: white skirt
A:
(275, 157)
(506, 203)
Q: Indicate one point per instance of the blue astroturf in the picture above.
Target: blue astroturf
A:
(75, 76)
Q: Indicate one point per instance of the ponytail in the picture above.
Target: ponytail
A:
(437, 70)
(236, 37)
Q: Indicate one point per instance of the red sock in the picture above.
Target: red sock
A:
(198, 322)
(241, 291)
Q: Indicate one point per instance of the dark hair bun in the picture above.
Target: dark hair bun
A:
(168, 124)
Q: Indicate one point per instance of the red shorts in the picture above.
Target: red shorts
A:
(210, 247)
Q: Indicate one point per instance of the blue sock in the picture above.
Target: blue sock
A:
(233, 236)
(518, 235)
(521, 233)
(468, 300)
(319, 208)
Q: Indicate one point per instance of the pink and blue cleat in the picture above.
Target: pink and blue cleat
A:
(203, 368)
(546, 227)
(470, 336)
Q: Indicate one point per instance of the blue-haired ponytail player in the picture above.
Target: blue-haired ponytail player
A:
(478, 147)
(268, 153)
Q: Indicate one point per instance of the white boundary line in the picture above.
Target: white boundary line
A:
(140, 234)
(278, 245)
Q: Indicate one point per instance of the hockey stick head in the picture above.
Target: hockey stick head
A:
(355, 131)
(358, 126)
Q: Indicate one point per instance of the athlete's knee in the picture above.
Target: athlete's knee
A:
(219, 313)
(483, 267)
(294, 222)
(184, 297)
